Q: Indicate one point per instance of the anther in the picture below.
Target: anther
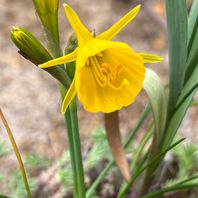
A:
(99, 54)
(87, 62)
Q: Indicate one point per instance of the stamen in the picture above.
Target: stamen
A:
(93, 33)
(99, 54)
(105, 74)
(87, 62)
(118, 69)
(100, 77)
(124, 82)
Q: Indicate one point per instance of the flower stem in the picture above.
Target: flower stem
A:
(72, 151)
(75, 150)
(73, 136)
(77, 147)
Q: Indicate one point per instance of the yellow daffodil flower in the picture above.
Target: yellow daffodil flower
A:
(109, 75)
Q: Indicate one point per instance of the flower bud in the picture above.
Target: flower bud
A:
(29, 46)
(47, 11)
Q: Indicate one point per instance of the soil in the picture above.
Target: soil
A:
(29, 97)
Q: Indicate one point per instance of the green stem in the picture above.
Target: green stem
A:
(72, 151)
(71, 120)
(77, 149)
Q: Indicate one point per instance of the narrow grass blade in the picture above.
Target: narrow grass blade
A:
(192, 19)
(182, 105)
(16, 150)
(193, 54)
(177, 38)
(139, 171)
(178, 186)
(189, 87)
(141, 147)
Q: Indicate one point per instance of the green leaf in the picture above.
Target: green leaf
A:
(177, 39)
(185, 184)
(183, 103)
(189, 87)
(4, 196)
(193, 55)
(157, 97)
(140, 170)
(192, 19)
(176, 119)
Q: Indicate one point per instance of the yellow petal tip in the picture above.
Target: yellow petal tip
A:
(139, 6)
(41, 65)
(62, 112)
(65, 5)
(151, 58)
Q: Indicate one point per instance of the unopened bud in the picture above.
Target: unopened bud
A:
(29, 46)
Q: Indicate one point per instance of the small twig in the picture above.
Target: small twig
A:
(16, 150)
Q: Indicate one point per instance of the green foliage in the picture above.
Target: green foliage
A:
(64, 173)
(4, 149)
(2, 177)
(177, 40)
(16, 185)
(187, 177)
(186, 154)
(4, 196)
(33, 160)
(100, 149)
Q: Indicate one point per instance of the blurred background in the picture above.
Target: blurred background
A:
(29, 97)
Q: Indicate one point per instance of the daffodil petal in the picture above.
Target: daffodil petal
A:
(117, 27)
(150, 58)
(82, 33)
(96, 98)
(69, 96)
(61, 60)
(93, 47)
